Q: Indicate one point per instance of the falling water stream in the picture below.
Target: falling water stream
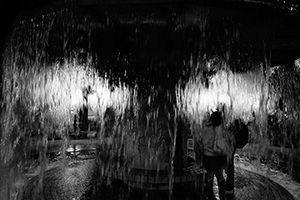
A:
(141, 75)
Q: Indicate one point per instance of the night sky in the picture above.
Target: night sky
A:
(9, 9)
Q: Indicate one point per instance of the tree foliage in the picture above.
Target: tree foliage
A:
(284, 123)
(291, 5)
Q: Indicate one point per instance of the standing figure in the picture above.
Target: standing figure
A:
(213, 162)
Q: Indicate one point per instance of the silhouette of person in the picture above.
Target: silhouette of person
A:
(213, 162)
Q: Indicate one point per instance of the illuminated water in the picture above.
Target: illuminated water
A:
(142, 82)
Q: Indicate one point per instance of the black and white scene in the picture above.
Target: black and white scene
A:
(150, 100)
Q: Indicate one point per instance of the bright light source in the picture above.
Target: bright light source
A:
(241, 92)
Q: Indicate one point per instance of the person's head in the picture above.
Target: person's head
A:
(212, 108)
(215, 119)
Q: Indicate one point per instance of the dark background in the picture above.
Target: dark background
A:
(8, 11)
(10, 8)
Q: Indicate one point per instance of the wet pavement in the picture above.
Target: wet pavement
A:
(77, 181)
(80, 179)
(252, 186)
(61, 183)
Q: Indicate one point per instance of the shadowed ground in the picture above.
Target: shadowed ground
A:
(81, 180)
